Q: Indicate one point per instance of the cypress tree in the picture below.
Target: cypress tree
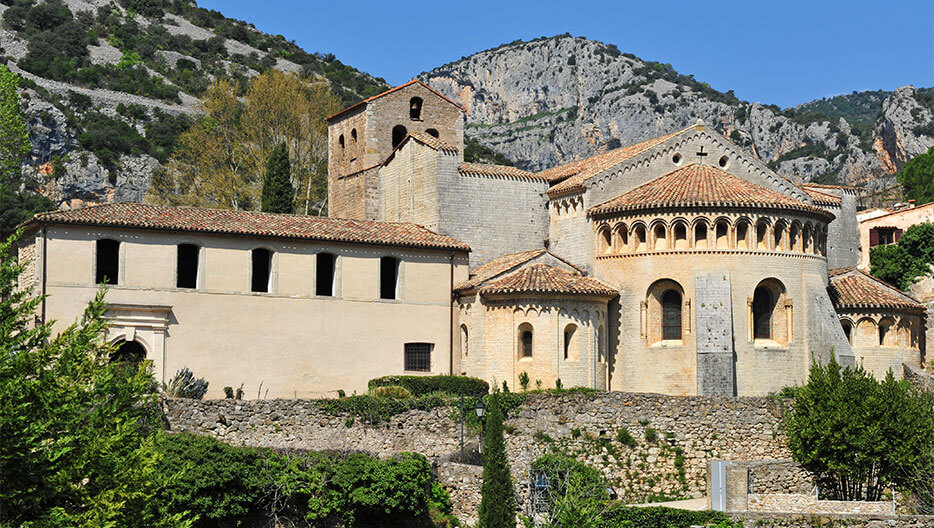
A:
(14, 140)
(278, 194)
(497, 496)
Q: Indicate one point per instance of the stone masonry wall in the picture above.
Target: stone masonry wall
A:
(798, 520)
(688, 433)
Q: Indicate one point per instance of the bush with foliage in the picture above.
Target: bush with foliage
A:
(857, 435)
(421, 385)
(576, 495)
(661, 517)
(185, 385)
(917, 178)
(391, 391)
(901, 263)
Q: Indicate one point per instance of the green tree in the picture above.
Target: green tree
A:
(18, 206)
(278, 194)
(857, 435)
(576, 495)
(14, 140)
(917, 178)
(901, 263)
(497, 496)
(78, 431)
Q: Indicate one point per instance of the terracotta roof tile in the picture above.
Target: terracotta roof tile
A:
(545, 279)
(821, 198)
(854, 288)
(702, 186)
(431, 142)
(572, 176)
(497, 170)
(231, 222)
(499, 265)
(389, 91)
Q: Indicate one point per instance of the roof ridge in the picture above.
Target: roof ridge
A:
(389, 91)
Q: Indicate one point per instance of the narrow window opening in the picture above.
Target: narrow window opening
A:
(660, 242)
(671, 315)
(418, 357)
(623, 239)
(398, 134)
(601, 345)
(806, 240)
(415, 108)
(742, 236)
(262, 268)
(723, 240)
(353, 135)
(884, 327)
(762, 306)
(388, 277)
(762, 239)
(341, 141)
(525, 340)
(640, 238)
(324, 274)
(606, 241)
(108, 261)
(570, 342)
(700, 236)
(847, 331)
(793, 238)
(465, 341)
(778, 238)
(187, 266)
(433, 133)
(681, 236)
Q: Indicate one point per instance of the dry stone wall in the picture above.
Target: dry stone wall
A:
(673, 438)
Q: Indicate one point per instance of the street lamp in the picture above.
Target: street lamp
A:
(481, 410)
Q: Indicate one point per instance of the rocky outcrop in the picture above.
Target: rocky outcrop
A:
(555, 100)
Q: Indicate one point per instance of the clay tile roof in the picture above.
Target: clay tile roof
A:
(499, 265)
(431, 142)
(572, 176)
(821, 198)
(545, 279)
(497, 170)
(389, 91)
(854, 288)
(701, 186)
(249, 223)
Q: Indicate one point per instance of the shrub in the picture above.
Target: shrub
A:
(661, 517)
(650, 435)
(422, 385)
(228, 392)
(524, 380)
(625, 437)
(184, 385)
(397, 392)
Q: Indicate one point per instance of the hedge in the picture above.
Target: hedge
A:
(421, 385)
(661, 517)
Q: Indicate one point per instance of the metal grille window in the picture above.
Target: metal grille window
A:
(418, 356)
(671, 315)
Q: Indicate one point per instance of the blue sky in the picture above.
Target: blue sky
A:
(783, 52)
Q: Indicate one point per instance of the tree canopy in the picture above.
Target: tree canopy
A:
(278, 194)
(219, 160)
(497, 495)
(901, 263)
(857, 435)
(917, 178)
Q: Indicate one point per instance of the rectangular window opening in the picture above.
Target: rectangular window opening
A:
(388, 277)
(262, 268)
(418, 357)
(187, 266)
(108, 261)
(324, 279)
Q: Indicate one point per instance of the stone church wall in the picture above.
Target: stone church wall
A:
(843, 231)
(699, 429)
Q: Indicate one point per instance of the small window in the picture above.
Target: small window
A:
(353, 135)
(433, 133)
(640, 238)
(723, 237)
(660, 243)
(187, 266)
(762, 307)
(742, 235)
(465, 341)
(622, 239)
(324, 274)
(884, 327)
(398, 134)
(778, 237)
(847, 331)
(418, 357)
(525, 340)
(723, 161)
(762, 236)
(415, 108)
(108, 261)
(262, 268)
(388, 277)
(671, 315)
(681, 236)
(570, 342)
(700, 236)
(341, 140)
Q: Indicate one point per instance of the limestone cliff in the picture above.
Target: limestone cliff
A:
(554, 100)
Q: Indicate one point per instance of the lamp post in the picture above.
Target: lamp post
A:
(481, 410)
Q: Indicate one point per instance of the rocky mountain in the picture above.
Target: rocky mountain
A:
(554, 100)
(107, 86)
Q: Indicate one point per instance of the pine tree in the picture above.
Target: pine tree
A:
(278, 194)
(14, 141)
(497, 496)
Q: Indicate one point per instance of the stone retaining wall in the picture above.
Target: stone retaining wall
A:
(463, 482)
(778, 476)
(799, 503)
(689, 431)
(774, 520)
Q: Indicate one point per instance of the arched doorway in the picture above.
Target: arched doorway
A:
(128, 352)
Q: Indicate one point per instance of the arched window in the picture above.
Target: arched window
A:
(778, 237)
(388, 277)
(886, 335)
(601, 345)
(353, 135)
(341, 141)
(700, 236)
(570, 342)
(723, 235)
(762, 236)
(763, 306)
(525, 340)
(324, 274)
(622, 239)
(262, 270)
(742, 235)
(415, 108)
(681, 236)
(847, 330)
(398, 134)
(128, 352)
(806, 239)
(671, 315)
(660, 242)
(465, 341)
(640, 241)
(605, 240)
(187, 266)
(108, 261)
(794, 238)
(433, 132)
